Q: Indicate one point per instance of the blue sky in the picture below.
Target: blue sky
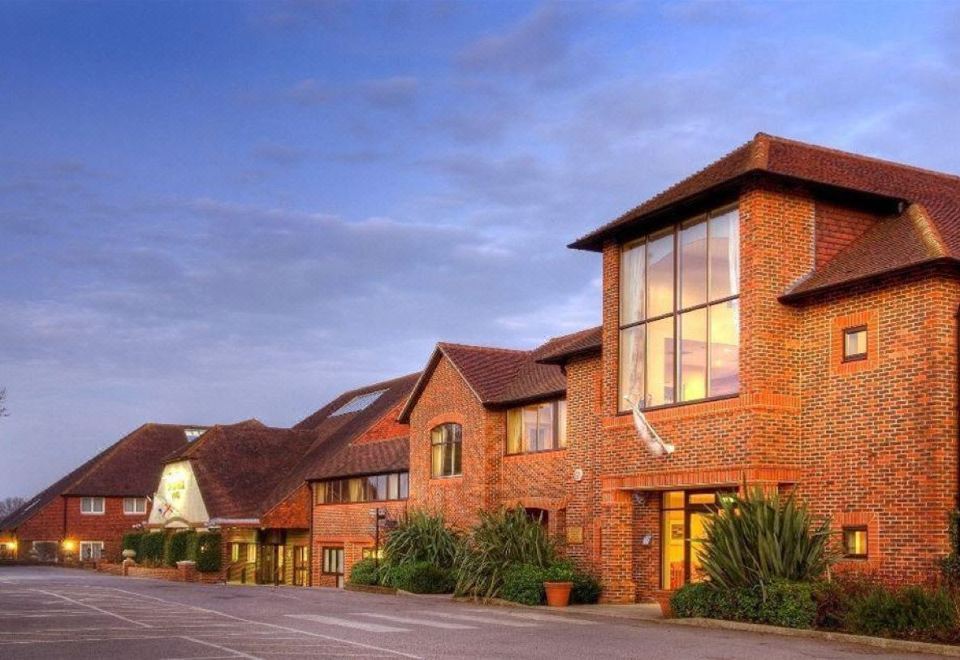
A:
(217, 211)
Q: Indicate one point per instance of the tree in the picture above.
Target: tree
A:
(9, 505)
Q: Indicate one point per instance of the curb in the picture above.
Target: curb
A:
(876, 642)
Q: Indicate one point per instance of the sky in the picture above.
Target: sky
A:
(213, 211)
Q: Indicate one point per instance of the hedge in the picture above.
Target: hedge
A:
(208, 552)
(177, 548)
(151, 547)
(523, 583)
(911, 612)
(365, 572)
(420, 577)
(132, 541)
(784, 603)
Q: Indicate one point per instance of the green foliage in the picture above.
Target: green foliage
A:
(756, 539)
(910, 612)
(523, 583)
(834, 598)
(586, 588)
(950, 565)
(177, 547)
(419, 537)
(132, 541)
(420, 577)
(365, 572)
(208, 551)
(151, 548)
(788, 604)
(500, 540)
(561, 571)
(696, 599)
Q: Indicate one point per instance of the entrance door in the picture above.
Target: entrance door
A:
(301, 566)
(333, 564)
(684, 514)
(270, 565)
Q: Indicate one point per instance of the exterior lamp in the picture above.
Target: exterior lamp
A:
(69, 546)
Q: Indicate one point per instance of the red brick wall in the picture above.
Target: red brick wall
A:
(45, 525)
(292, 513)
(108, 527)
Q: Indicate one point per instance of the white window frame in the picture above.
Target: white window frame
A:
(90, 509)
(134, 501)
(91, 543)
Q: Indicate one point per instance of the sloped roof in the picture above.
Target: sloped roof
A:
(934, 196)
(500, 376)
(584, 342)
(366, 458)
(129, 467)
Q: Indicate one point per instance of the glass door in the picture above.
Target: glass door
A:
(301, 566)
(684, 514)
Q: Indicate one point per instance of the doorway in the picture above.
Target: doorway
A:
(684, 514)
(301, 566)
(270, 565)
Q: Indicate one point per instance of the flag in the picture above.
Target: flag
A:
(647, 433)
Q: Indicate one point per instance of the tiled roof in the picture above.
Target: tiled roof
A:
(129, 467)
(584, 342)
(366, 458)
(500, 376)
(931, 230)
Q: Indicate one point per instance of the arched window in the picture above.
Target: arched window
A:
(446, 441)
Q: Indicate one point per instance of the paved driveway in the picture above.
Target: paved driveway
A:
(51, 613)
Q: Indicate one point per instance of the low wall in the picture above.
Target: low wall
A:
(182, 573)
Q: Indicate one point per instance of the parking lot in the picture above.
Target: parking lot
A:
(50, 613)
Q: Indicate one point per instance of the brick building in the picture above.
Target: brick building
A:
(85, 514)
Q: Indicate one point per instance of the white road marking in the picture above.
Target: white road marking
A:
(237, 654)
(536, 616)
(94, 607)
(348, 623)
(481, 619)
(418, 622)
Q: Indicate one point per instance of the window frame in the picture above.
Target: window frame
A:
(560, 440)
(676, 313)
(343, 487)
(866, 542)
(93, 511)
(434, 473)
(98, 544)
(332, 551)
(855, 357)
(135, 501)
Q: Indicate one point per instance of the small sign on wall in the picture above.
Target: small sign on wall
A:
(574, 535)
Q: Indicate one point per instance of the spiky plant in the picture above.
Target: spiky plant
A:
(753, 539)
(420, 536)
(500, 540)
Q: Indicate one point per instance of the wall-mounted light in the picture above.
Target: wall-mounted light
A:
(578, 474)
(69, 545)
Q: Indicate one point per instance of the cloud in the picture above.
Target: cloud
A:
(535, 44)
(390, 92)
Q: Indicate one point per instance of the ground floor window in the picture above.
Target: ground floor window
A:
(682, 526)
(333, 564)
(855, 542)
(91, 550)
(301, 565)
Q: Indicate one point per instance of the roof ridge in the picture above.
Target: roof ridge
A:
(484, 348)
(918, 215)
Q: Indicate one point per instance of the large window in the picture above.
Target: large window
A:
(92, 505)
(540, 427)
(680, 312)
(91, 550)
(375, 488)
(446, 443)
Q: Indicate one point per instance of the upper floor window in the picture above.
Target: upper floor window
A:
(540, 427)
(680, 312)
(446, 453)
(134, 505)
(375, 488)
(92, 505)
(855, 344)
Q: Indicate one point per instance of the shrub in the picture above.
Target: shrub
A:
(420, 536)
(208, 552)
(151, 548)
(696, 599)
(586, 588)
(788, 604)
(758, 538)
(950, 565)
(833, 599)
(561, 571)
(132, 542)
(911, 612)
(420, 577)
(500, 539)
(700, 599)
(365, 572)
(523, 583)
(177, 547)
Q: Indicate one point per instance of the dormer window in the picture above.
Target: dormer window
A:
(680, 312)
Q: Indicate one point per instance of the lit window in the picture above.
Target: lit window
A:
(855, 542)
(540, 427)
(446, 451)
(370, 553)
(91, 550)
(375, 488)
(680, 312)
(92, 505)
(855, 344)
(357, 403)
(234, 552)
(134, 505)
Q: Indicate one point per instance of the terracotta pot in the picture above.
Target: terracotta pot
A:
(663, 599)
(558, 593)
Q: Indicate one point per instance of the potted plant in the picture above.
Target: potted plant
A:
(663, 599)
(558, 582)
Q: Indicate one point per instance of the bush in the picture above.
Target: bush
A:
(950, 565)
(758, 538)
(500, 540)
(788, 604)
(420, 536)
(834, 598)
(365, 572)
(586, 588)
(132, 542)
(177, 548)
(523, 583)
(561, 571)
(910, 612)
(151, 548)
(208, 552)
(420, 577)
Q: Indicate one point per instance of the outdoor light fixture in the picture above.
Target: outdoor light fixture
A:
(69, 546)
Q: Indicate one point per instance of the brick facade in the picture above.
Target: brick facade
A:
(108, 527)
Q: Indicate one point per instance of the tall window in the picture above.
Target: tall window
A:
(92, 505)
(446, 452)
(680, 312)
(375, 488)
(540, 427)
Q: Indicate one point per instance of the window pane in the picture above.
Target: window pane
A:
(545, 427)
(673, 534)
(321, 493)
(437, 460)
(693, 265)
(457, 451)
(631, 366)
(514, 431)
(855, 542)
(660, 275)
(530, 429)
(693, 355)
(855, 343)
(725, 255)
(562, 423)
(725, 348)
(673, 499)
(660, 364)
(404, 485)
(631, 283)
(356, 492)
(703, 498)
(393, 486)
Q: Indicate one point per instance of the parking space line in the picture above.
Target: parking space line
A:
(348, 623)
(536, 616)
(482, 619)
(94, 607)
(236, 653)
(417, 622)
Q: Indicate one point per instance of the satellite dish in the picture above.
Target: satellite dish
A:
(655, 444)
